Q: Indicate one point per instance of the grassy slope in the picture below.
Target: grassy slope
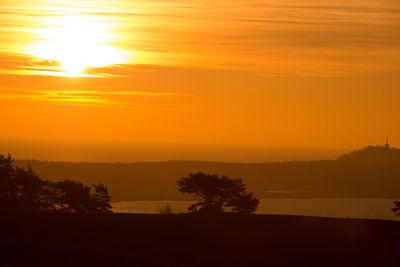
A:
(184, 240)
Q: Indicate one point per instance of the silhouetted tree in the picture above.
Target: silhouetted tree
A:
(23, 188)
(243, 203)
(165, 209)
(101, 198)
(28, 190)
(6, 176)
(73, 196)
(396, 208)
(217, 192)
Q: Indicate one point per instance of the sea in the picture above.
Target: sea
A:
(322, 207)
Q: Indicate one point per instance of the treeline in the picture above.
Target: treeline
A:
(22, 188)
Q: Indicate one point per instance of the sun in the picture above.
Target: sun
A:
(77, 42)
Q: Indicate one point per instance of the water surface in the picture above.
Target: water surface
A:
(338, 208)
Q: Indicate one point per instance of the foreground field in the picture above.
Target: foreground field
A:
(55, 239)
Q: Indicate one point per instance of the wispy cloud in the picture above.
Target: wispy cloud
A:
(294, 37)
(78, 97)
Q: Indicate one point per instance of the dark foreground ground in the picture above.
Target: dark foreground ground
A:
(51, 239)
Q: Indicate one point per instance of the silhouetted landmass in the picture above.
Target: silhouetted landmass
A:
(22, 188)
(217, 193)
(62, 239)
(373, 172)
(373, 155)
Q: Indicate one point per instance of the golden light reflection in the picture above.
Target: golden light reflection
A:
(77, 42)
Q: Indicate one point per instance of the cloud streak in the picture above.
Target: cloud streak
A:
(327, 38)
(78, 97)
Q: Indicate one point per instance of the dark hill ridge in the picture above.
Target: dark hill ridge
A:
(384, 155)
(373, 172)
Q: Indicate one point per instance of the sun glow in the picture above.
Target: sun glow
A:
(76, 43)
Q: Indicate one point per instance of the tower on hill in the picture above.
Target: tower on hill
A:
(387, 145)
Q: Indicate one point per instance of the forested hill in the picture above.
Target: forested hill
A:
(373, 172)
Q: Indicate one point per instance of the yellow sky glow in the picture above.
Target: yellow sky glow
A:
(76, 42)
(292, 73)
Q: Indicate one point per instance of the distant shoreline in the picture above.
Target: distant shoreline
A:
(320, 207)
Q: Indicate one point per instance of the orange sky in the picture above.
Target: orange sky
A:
(292, 73)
